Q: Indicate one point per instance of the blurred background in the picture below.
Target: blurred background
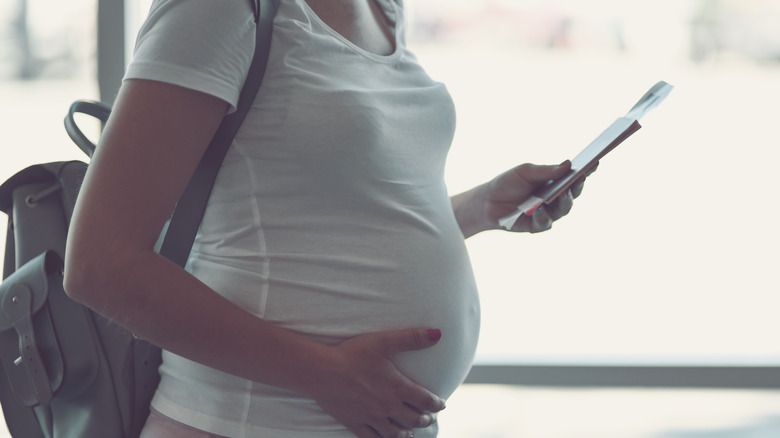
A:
(664, 271)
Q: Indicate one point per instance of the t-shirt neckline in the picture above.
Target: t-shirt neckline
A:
(394, 29)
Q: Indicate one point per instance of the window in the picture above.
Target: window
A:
(47, 60)
(670, 252)
(500, 411)
(667, 259)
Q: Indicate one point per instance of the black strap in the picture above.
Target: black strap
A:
(189, 211)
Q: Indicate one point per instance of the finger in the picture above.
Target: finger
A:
(540, 220)
(366, 431)
(535, 174)
(409, 339)
(420, 400)
(522, 224)
(407, 429)
(387, 428)
(576, 188)
(562, 206)
(412, 419)
(592, 169)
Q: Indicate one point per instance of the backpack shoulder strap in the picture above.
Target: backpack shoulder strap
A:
(188, 214)
(184, 224)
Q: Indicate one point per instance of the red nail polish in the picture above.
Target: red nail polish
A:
(434, 334)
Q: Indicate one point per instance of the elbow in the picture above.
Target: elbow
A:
(104, 277)
(76, 277)
(73, 288)
(88, 273)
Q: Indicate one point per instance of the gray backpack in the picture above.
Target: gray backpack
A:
(67, 372)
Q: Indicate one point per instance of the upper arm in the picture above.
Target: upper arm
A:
(202, 45)
(153, 141)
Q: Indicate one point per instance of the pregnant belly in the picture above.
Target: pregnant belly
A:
(336, 284)
(330, 297)
(348, 296)
(443, 367)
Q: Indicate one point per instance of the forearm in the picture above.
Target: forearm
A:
(135, 178)
(470, 211)
(160, 302)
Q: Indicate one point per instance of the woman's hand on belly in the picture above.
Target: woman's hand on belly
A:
(362, 389)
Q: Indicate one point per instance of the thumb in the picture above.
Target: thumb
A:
(410, 339)
(546, 173)
(535, 174)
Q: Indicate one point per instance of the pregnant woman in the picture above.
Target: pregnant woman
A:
(329, 292)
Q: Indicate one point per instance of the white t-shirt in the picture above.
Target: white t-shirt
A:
(329, 216)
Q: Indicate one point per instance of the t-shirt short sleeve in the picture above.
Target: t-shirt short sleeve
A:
(203, 45)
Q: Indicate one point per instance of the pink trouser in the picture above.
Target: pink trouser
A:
(160, 426)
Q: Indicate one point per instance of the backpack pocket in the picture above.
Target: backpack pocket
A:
(47, 343)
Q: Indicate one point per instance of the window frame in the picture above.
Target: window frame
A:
(112, 52)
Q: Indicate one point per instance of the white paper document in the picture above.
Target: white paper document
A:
(615, 134)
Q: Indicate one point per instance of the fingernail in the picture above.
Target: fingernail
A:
(434, 334)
